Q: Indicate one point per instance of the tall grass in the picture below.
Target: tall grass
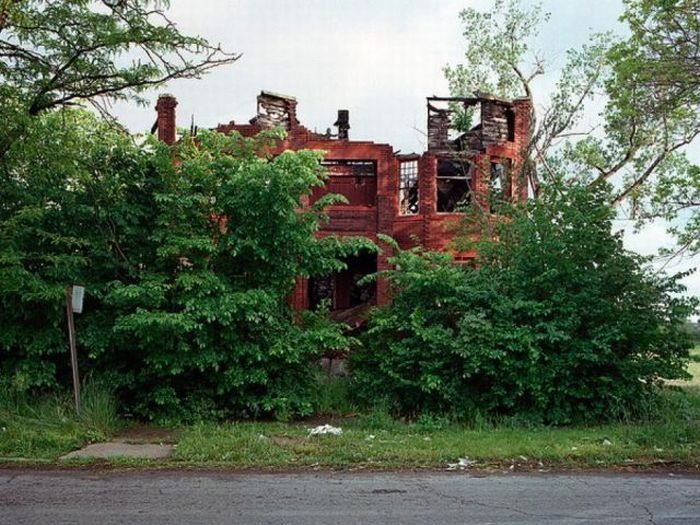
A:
(44, 427)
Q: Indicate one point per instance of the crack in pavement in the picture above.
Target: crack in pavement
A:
(628, 500)
(515, 510)
(11, 479)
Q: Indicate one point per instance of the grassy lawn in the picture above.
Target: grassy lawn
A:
(395, 445)
(44, 431)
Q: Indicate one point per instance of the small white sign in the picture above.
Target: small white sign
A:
(77, 298)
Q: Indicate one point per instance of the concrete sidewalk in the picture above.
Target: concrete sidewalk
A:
(121, 448)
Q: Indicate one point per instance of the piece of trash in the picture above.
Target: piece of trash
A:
(512, 467)
(4, 429)
(370, 437)
(427, 438)
(461, 464)
(323, 430)
(657, 449)
(607, 442)
(574, 448)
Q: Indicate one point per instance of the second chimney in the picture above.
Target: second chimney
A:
(343, 124)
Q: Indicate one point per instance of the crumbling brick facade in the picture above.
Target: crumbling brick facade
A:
(412, 198)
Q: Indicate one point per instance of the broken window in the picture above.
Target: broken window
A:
(408, 188)
(356, 180)
(454, 181)
(500, 186)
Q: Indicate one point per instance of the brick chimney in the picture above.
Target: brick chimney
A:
(523, 120)
(167, 130)
(343, 124)
(523, 133)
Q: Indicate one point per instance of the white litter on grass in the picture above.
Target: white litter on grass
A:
(323, 430)
(370, 437)
(607, 442)
(461, 464)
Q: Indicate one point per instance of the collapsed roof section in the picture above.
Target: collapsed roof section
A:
(469, 124)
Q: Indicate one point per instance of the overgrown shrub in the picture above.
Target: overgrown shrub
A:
(554, 323)
(188, 255)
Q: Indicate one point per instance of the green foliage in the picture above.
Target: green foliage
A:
(555, 323)
(205, 326)
(59, 52)
(647, 78)
(496, 45)
(44, 427)
(62, 196)
(188, 255)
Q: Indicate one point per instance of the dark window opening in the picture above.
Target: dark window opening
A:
(453, 185)
(344, 289)
(510, 123)
(408, 189)
(321, 292)
(500, 181)
(356, 180)
(355, 168)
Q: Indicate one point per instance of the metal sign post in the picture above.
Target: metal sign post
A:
(74, 301)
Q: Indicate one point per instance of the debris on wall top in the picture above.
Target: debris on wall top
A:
(276, 110)
(493, 124)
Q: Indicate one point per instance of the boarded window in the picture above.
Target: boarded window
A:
(454, 181)
(408, 190)
(356, 180)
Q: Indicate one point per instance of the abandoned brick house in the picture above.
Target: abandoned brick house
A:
(413, 198)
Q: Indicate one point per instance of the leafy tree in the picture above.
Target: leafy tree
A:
(656, 86)
(56, 53)
(205, 324)
(498, 59)
(648, 82)
(188, 256)
(555, 322)
(68, 198)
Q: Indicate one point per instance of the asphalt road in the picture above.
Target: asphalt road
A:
(106, 498)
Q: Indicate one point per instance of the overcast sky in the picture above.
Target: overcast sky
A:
(377, 58)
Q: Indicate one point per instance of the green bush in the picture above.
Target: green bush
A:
(188, 255)
(555, 322)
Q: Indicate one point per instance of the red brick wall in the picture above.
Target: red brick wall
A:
(369, 217)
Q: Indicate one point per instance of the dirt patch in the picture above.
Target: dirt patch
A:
(143, 434)
(287, 441)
